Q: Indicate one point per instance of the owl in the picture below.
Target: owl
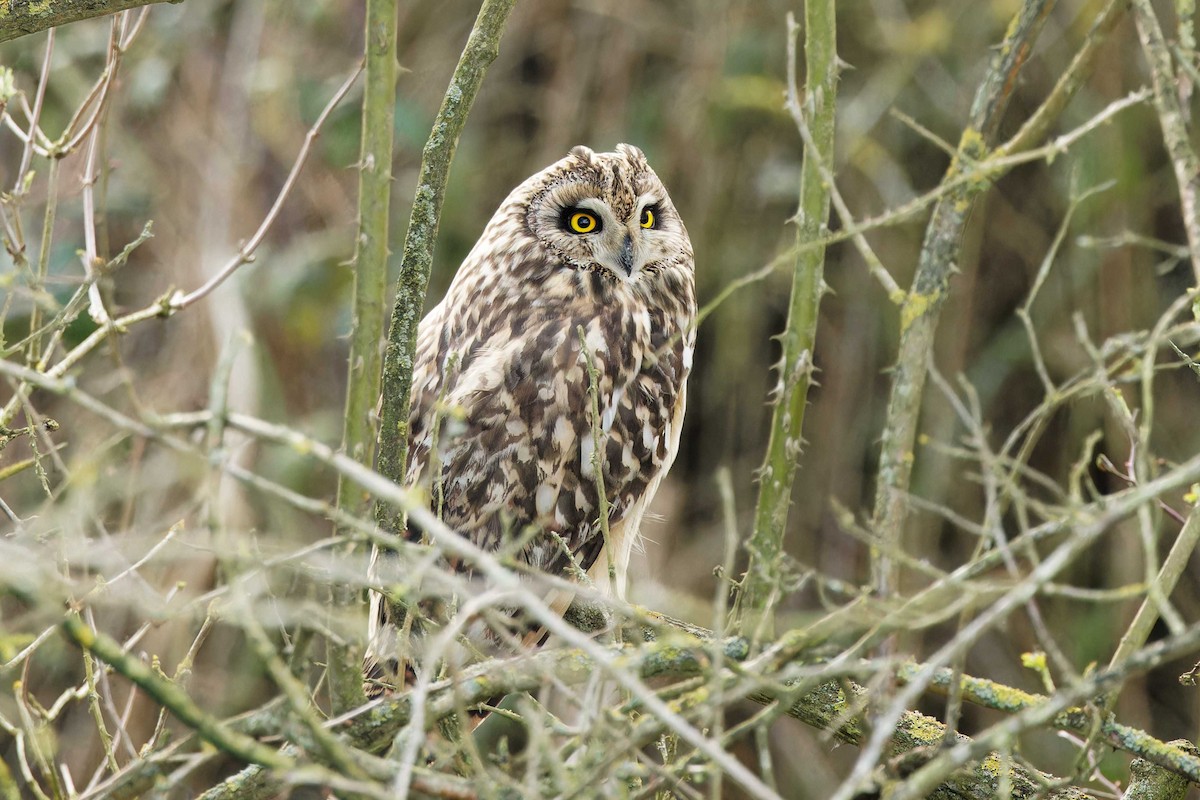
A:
(583, 278)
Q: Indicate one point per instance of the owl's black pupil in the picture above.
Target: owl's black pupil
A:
(575, 221)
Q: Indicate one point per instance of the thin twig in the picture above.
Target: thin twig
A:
(245, 253)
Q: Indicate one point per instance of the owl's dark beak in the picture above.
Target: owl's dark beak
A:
(627, 254)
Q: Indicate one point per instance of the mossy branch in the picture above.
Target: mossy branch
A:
(22, 17)
(1057, 713)
(171, 697)
(684, 651)
(817, 112)
(1174, 118)
(1149, 781)
(366, 332)
(483, 45)
(922, 307)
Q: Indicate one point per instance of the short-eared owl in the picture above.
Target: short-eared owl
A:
(502, 437)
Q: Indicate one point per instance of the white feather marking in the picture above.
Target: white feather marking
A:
(644, 320)
(610, 411)
(563, 434)
(627, 459)
(596, 343)
(648, 437)
(587, 449)
(544, 500)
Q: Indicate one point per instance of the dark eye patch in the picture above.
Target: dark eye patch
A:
(574, 219)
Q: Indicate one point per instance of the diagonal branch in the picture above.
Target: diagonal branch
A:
(922, 308)
(22, 17)
(483, 45)
(1174, 117)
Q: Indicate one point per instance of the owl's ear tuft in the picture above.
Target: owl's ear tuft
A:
(583, 153)
(632, 153)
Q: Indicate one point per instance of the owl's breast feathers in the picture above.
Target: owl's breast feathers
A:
(501, 432)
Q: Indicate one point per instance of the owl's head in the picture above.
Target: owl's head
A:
(606, 212)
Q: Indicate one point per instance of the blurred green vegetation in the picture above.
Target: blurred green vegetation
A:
(213, 103)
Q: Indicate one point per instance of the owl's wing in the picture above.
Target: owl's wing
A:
(503, 436)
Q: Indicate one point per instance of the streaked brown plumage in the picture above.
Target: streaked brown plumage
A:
(501, 432)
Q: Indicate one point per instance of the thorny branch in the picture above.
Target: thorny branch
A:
(816, 114)
(774, 661)
(359, 433)
(680, 679)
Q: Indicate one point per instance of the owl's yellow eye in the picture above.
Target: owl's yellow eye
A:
(583, 222)
(647, 217)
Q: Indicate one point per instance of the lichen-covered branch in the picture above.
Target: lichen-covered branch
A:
(922, 308)
(971, 771)
(1066, 710)
(915, 738)
(817, 112)
(1149, 781)
(22, 17)
(1080, 720)
(483, 45)
(1173, 117)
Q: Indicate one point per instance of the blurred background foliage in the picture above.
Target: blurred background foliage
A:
(213, 103)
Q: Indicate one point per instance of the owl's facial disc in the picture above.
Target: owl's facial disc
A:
(605, 213)
(623, 247)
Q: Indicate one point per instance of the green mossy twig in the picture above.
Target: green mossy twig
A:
(799, 336)
(366, 331)
(326, 744)
(170, 696)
